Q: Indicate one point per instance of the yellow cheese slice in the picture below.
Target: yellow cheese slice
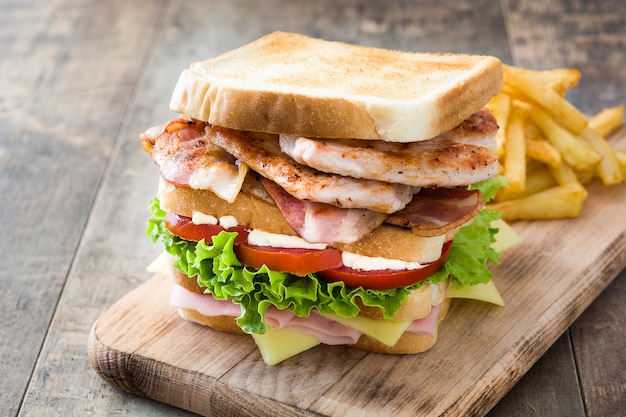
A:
(482, 292)
(387, 332)
(276, 345)
(159, 265)
(506, 237)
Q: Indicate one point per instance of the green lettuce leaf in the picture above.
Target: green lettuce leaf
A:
(490, 187)
(471, 251)
(217, 268)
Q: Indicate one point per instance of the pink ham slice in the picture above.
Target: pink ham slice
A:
(323, 223)
(203, 304)
(426, 325)
(435, 211)
(327, 331)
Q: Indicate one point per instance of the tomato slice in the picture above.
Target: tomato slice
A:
(294, 260)
(326, 262)
(385, 279)
(185, 228)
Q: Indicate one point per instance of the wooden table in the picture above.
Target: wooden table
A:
(80, 80)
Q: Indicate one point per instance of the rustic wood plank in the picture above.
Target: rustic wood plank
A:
(117, 240)
(64, 89)
(544, 388)
(114, 251)
(435, 26)
(599, 340)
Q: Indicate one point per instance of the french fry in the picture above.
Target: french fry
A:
(561, 151)
(621, 160)
(532, 130)
(564, 174)
(563, 79)
(559, 79)
(607, 120)
(562, 201)
(548, 99)
(541, 150)
(515, 150)
(500, 106)
(585, 177)
(608, 170)
(577, 153)
(536, 180)
(513, 92)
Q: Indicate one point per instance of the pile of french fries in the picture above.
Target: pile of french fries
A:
(547, 148)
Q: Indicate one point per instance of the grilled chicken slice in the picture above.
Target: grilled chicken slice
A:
(261, 152)
(459, 157)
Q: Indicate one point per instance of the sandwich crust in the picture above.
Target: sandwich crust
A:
(293, 84)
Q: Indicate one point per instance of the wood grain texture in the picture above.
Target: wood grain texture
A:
(64, 88)
(114, 260)
(588, 35)
(596, 341)
(599, 340)
(544, 388)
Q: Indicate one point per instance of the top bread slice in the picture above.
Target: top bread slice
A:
(293, 84)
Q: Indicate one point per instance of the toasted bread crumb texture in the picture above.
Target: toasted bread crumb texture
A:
(294, 84)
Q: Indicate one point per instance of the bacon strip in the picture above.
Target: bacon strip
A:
(185, 157)
(323, 223)
(434, 211)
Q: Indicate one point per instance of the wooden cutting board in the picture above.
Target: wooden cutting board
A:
(141, 346)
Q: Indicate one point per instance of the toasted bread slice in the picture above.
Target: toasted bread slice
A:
(258, 214)
(297, 85)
